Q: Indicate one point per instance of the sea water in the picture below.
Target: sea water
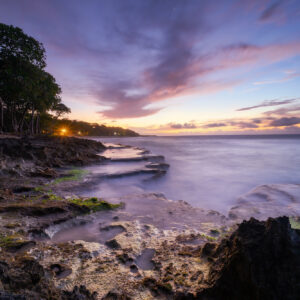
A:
(211, 172)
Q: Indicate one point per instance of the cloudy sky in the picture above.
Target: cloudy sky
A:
(172, 66)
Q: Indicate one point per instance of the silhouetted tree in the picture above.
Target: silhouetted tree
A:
(26, 89)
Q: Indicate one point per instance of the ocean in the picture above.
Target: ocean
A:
(210, 172)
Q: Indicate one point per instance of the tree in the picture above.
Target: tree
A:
(26, 89)
(14, 42)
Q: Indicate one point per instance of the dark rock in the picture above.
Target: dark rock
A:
(9, 296)
(113, 244)
(60, 270)
(159, 289)
(22, 273)
(260, 260)
(47, 152)
(23, 189)
(24, 278)
(208, 249)
(134, 268)
(197, 276)
(38, 234)
(79, 293)
(116, 295)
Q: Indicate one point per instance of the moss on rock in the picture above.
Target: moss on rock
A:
(95, 204)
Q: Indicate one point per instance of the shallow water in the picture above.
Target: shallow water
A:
(208, 172)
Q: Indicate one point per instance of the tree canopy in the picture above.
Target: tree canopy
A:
(26, 89)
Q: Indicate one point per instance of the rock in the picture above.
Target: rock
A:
(116, 295)
(113, 244)
(19, 155)
(24, 278)
(9, 296)
(160, 290)
(60, 270)
(260, 260)
(208, 249)
(19, 246)
(23, 273)
(23, 189)
(79, 293)
(44, 172)
(133, 268)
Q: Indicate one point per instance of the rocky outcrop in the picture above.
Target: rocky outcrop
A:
(260, 260)
(24, 278)
(36, 156)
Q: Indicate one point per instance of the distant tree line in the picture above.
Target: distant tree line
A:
(53, 125)
(27, 91)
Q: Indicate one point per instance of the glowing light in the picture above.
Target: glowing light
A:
(79, 132)
(63, 131)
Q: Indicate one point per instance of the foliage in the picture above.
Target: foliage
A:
(295, 222)
(26, 89)
(14, 42)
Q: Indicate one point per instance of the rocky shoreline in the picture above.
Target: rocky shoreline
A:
(47, 253)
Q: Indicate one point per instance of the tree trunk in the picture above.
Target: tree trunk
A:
(37, 124)
(14, 124)
(21, 123)
(32, 121)
(1, 116)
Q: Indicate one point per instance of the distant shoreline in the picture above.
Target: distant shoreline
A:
(211, 136)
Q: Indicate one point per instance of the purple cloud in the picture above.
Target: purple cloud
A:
(274, 102)
(283, 110)
(214, 125)
(129, 55)
(244, 125)
(271, 10)
(286, 121)
(183, 126)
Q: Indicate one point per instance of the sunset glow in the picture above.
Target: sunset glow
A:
(175, 67)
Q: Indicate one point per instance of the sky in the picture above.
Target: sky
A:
(170, 67)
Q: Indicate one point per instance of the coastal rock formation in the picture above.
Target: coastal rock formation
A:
(24, 278)
(36, 156)
(260, 260)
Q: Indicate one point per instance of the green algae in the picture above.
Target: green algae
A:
(7, 241)
(72, 175)
(95, 204)
(208, 237)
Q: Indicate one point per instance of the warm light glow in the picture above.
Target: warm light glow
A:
(79, 132)
(63, 131)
